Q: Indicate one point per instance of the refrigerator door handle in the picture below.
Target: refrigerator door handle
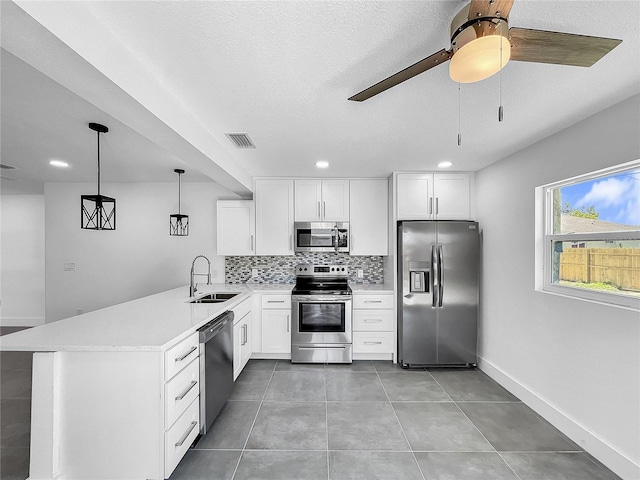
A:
(435, 275)
(441, 275)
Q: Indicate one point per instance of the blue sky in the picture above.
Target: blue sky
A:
(616, 197)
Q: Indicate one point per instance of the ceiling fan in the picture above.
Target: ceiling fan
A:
(482, 43)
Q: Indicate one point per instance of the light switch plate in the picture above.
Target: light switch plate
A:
(70, 266)
(360, 273)
(254, 272)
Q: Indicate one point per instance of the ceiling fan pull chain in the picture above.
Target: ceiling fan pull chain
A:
(459, 121)
(500, 109)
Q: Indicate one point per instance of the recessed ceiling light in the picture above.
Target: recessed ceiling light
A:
(445, 164)
(58, 163)
(322, 164)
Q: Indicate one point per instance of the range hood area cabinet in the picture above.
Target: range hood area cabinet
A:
(433, 196)
(322, 200)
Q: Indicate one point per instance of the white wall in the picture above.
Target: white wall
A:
(22, 260)
(139, 258)
(577, 363)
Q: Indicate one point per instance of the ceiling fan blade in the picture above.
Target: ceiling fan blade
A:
(409, 72)
(559, 48)
(485, 8)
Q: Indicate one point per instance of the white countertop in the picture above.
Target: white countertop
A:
(151, 323)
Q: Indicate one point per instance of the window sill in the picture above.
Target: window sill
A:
(606, 299)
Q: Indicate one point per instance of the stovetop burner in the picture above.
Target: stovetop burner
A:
(322, 280)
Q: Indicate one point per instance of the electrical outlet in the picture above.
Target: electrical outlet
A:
(254, 272)
(360, 273)
(69, 267)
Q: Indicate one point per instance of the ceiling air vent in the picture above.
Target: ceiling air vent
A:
(241, 140)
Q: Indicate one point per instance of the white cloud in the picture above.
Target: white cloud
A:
(607, 193)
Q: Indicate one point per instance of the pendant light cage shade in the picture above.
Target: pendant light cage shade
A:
(178, 225)
(97, 212)
(178, 222)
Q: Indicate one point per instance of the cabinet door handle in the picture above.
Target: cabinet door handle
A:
(318, 210)
(245, 334)
(430, 205)
(275, 301)
(252, 243)
(184, 437)
(372, 301)
(193, 349)
(288, 321)
(324, 209)
(184, 394)
(437, 209)
(373, 343)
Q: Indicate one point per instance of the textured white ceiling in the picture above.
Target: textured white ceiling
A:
(282, 72)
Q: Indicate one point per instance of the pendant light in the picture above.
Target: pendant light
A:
(178, 223)
(97, 211)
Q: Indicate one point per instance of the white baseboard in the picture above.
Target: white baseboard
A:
(21, 321)
(597, 447)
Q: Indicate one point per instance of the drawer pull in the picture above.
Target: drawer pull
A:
(193, 349)
(184, 394)
(186, 435)
(373, 301)
(373, 343)
(275, 301)
(372, 319)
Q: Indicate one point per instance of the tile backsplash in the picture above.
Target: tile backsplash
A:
(279, 269)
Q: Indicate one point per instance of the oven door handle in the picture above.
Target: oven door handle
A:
(321, 299)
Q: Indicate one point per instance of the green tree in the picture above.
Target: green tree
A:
(584, 212)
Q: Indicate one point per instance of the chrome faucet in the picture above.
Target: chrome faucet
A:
(193, 286)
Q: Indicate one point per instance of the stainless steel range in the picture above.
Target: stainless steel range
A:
(321, 315)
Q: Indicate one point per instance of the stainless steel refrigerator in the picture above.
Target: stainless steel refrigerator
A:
(438, 293)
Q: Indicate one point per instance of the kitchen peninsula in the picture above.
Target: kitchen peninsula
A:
(104, 385)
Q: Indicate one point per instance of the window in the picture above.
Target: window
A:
(591, 244)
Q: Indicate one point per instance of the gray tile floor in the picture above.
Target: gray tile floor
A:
(373, 420)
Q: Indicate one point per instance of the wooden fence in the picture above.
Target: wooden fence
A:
(617, 266)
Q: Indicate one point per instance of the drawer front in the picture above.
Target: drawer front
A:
(180, 355)
(180, 391)
(276, 301)
(372, 301)
(373, 320)
(239, 311)
(180, 436)
(372, 342)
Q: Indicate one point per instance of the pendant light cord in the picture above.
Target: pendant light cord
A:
(459, 117)
(98, 163)
(500, 109)
(179, 184)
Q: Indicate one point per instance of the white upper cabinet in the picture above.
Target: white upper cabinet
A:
(433, 196)
(274, 217)
(236, 227)
(415, 192)
(322, 200)
(369, 214)
(451, 192)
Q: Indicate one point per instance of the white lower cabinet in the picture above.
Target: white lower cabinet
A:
(373, 326)
(180, 436)
(276, 323)
(242, 333)
(181, 400)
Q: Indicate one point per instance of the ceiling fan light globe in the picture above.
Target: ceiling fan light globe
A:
(479, 59)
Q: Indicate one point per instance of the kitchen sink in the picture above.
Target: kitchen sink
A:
(214, 298)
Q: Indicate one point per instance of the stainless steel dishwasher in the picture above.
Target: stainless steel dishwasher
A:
(216, 367)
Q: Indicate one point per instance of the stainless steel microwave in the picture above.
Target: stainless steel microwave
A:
(321, 236)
